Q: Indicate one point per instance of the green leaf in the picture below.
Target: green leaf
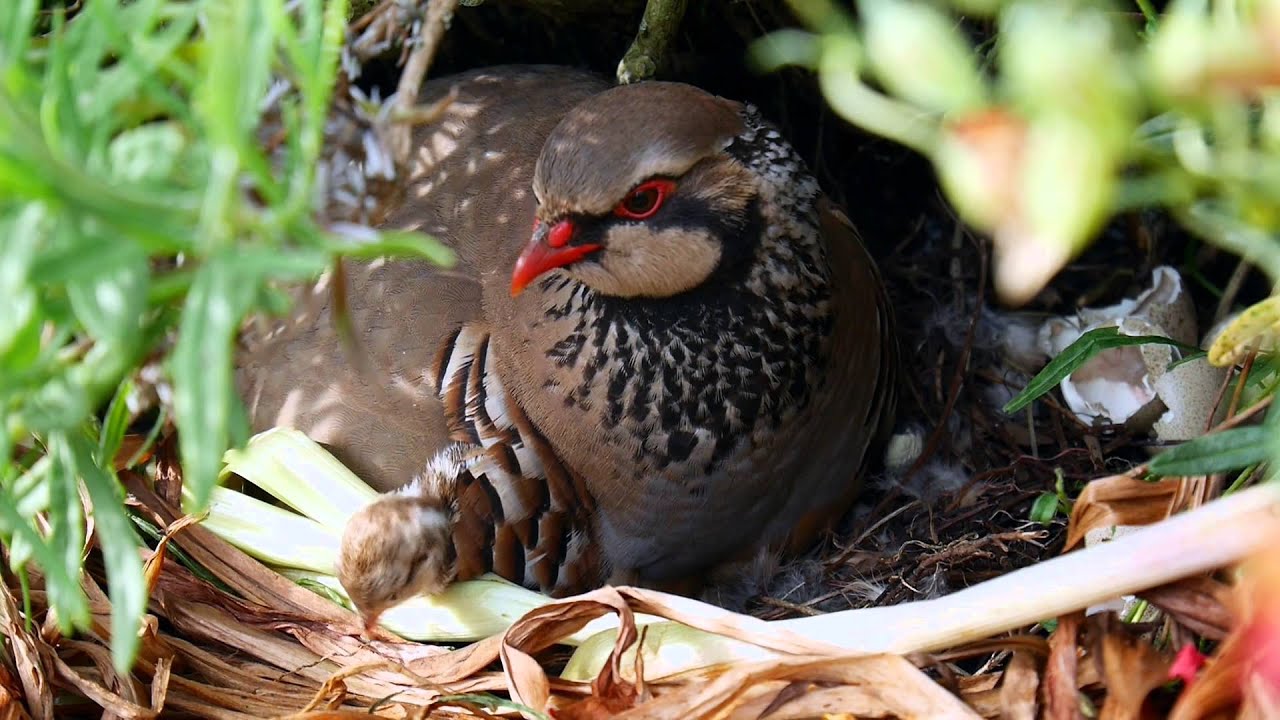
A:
(66, 527)
(146, 154)
(78, 259)
(119, 547)
(919, 53)
(61, 124)
(57, 404)
(148, 442)
(114, 424)
(22, 235)
(17, 18)
(65, 593)
(1045, 508)
(111, 301)
(783, 48)
(31, 489)
(1219, 452)
(20, 349)
(201, 367)
(1078, 353)
(236, 68)
(393, 242)
(147, 36)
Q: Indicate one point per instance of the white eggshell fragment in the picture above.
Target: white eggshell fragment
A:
(1112, 387)
(1189, 391)
(1117, 384)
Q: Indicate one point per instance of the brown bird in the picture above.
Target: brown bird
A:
(661, 350)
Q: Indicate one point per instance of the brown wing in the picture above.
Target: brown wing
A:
(863, 398)
(520, 512)
(471, 188)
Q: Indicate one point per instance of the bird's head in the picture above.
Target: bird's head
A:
(636, 194)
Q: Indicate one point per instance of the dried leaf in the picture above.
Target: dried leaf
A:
(1199, 603)
(106, 699)
(243, 574)
(1217, 691)
(23, 647)
(160, 682)
(125, 686)
(11, 707)
(611, 693)
(1060, 676)
(1019, 687)
(877, 686)
(1120, 500)
(982, 693)
(328, 715)
(1132, 668)
(542, 627)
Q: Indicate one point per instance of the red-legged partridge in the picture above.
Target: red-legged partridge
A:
(661, 348)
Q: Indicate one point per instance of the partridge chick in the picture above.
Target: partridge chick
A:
(662, 348)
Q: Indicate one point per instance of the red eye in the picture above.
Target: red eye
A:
(642, 202)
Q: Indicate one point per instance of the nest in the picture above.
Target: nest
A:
(228, 638)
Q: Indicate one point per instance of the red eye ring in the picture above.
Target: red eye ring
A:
(645, 199)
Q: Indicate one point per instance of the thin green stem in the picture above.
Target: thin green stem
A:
(1148, 10)
(872, 111)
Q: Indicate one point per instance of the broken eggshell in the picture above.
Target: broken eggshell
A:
(1134, 384)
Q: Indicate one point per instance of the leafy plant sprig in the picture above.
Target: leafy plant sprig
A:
(143, 215)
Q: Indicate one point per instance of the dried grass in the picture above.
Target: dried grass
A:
(278, 650)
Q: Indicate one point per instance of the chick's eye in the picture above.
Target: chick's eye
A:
(644, 200)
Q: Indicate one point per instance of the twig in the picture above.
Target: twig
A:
(1244, 377)
(657, 29)
(788, 605)
(439, 12)
(1217, 400)
(851, 547)
(1232, 289)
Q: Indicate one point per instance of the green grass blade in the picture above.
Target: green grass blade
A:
(119, 547)
(17, 19)
(1222, 451)
(201, 366)
(392, 242)
(25, 543)
(66, 534)
(115, 423)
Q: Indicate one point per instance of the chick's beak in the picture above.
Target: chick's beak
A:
(369, 627)
(549, 248)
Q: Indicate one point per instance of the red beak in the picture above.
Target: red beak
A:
(547, 250)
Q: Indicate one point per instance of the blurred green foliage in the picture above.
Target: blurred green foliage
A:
(1079, 109)
(1074, 111)
(141, 216)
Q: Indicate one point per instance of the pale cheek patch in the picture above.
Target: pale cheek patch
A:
(639, 262)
